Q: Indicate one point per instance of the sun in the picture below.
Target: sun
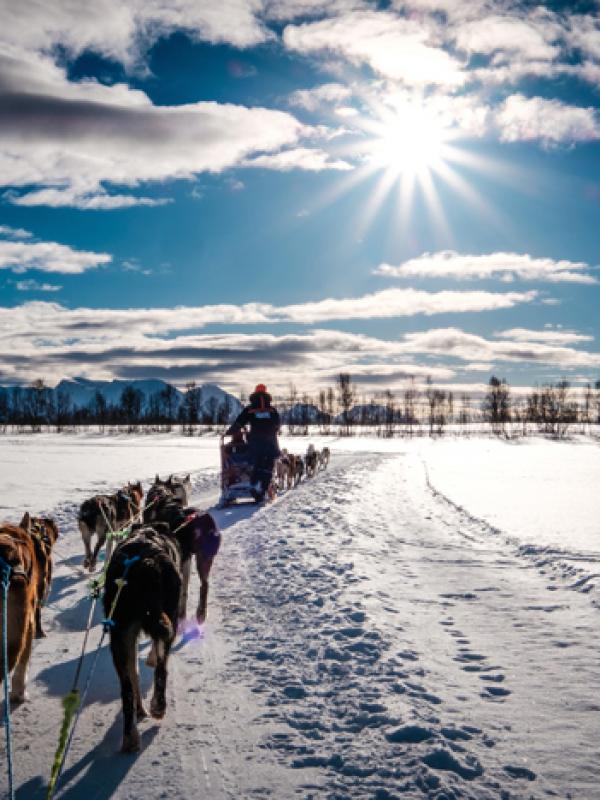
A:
(410, 153)
(410, 142)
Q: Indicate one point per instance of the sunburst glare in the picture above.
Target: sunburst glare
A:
(412, 142)
(411, 146)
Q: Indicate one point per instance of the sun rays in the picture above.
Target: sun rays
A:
(411, 156)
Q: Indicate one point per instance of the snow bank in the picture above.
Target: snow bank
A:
(540, 492)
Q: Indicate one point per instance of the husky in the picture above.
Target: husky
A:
(148, 602)
(105, 513)
(311, 461)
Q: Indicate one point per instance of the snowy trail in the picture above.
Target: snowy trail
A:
(365, 639)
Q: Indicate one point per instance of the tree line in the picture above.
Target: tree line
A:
(418, 409)
(551, 409)
(36, 406)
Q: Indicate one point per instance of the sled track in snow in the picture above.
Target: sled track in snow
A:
(565, 566)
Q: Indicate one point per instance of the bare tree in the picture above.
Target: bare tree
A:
(62, 409)
(346, 395)
(322, 406)
(98, 409)
(330, 406)
(557, 411)
(38, 404)
(292, 408)
(168, 397)
(464, 416)
(496, 405)
(586, 411)
(390, 413)
(410, 399)
(130, 404)
(192, 400)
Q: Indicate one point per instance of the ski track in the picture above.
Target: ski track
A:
(366, 639)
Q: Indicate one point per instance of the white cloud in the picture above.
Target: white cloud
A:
(35, 286)
(48, 257)
(74, 198)
(550, 122)
(14, 233)
(325, 94)
(389, 374)
(41, 338)
(282, 10)
(305, 158)
(396, 47)
(548, 336)
(469, 347)
(400, 303)
(71, 147)
(45, 339)
(52, 322)
(508, 36)
(505, 266)
(584, 34)
(122, 30)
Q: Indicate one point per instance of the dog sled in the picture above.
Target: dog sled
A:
(236, 472)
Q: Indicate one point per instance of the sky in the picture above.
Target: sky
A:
(275, 191)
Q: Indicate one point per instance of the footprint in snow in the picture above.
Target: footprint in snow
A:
(495, 693)
(520, 772)
(409, 734)
(443, 760)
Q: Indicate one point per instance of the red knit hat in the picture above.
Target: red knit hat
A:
(261, 388)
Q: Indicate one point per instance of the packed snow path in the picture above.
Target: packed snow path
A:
(366, 639)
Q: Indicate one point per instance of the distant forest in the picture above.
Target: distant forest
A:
(423, 409)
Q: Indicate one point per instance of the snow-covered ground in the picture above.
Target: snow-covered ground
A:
(404, 625)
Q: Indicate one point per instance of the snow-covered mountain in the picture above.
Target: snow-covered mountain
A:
(301, 413)
(81, 392)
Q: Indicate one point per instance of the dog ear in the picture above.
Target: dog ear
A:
(156, 478)
(187, 477)
(25, 522)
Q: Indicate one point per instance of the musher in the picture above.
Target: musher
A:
(263, 447)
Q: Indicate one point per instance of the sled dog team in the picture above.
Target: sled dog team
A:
(155, 554)
(163, 535)
(291, 468)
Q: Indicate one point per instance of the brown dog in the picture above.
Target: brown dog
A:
(18, 551)
(44, 533)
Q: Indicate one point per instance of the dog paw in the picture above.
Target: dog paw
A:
(158, 707)
(141, 713)
(131, 743)
(200, 615)
(40, 634)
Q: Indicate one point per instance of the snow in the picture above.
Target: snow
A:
(541, 492)
(403, 625)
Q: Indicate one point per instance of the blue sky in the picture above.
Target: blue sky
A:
(273, 190)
